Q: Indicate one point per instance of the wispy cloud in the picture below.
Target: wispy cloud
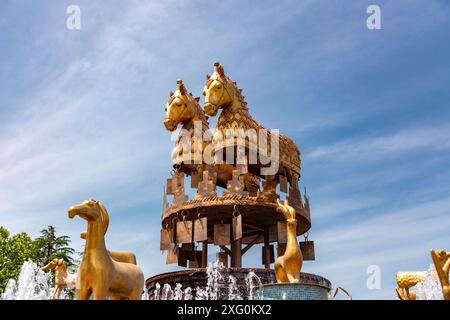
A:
(392, 239)
(387, 146)
(91, 124)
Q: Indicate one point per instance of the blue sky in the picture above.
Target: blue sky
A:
(81, 117)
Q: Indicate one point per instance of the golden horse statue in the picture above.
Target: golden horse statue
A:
(119, 256)
(289, 265)
(182, 108)
(99, 274)
(221, 92)
(63, 279)
(441, 260)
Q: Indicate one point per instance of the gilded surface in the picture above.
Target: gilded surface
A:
(441, 260)
(99, 274)
(63, 279)
(406, 280)
(288, 266)
(221, 92)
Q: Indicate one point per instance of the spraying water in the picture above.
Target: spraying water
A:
(253, 282)
(32, 284)
(219, 286)
(430, 289)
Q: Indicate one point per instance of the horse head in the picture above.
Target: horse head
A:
(90, 210)
(219, 91)
(181, 107)
(54, 264)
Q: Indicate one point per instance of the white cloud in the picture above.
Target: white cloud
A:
(345, 205)
(387, 146)
(394, 239)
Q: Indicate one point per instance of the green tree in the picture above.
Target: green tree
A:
(48, 247)
(14, 250)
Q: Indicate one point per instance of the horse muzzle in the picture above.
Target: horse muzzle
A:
(210, 109)
(169, 124)
(72, 212)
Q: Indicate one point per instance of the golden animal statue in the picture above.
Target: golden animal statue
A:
(182, 108)
(99, 274)
(221, 92)
(119, 256)
(406, 280)
(63, 279)
(289, 265)
(441, 260)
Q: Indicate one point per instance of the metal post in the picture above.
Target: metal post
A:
(266, 248)
(204, 254)
(236, 255)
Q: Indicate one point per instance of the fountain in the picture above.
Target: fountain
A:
(258, 163)
(432, 284)
(32, 284)
(248, 212)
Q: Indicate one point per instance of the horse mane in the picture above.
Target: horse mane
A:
(199, 111)
(238, 93)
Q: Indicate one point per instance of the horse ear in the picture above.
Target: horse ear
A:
(219, 68)
(181, 87)
(207, 77)
(105, 216)
(170, 94)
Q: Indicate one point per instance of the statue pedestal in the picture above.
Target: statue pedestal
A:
(292, 291)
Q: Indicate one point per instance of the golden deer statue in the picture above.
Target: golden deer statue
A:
(221, 92)
(288, 266)
(99, 274)
(63, 279)
(441, 260)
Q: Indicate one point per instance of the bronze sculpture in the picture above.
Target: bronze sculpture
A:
(221, 92)
(119, 256)
(183, 108)
(406, 280)
(288, 266)
(234, 206)
(99, 274)
(193, 152)
(63, 279)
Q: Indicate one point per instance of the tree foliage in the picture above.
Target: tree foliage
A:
(48, 247)
(16, 249)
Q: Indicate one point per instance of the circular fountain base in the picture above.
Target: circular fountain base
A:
(292, 291)
(222, 283)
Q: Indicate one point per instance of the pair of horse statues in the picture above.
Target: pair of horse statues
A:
(102, 273)
(222, 93)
